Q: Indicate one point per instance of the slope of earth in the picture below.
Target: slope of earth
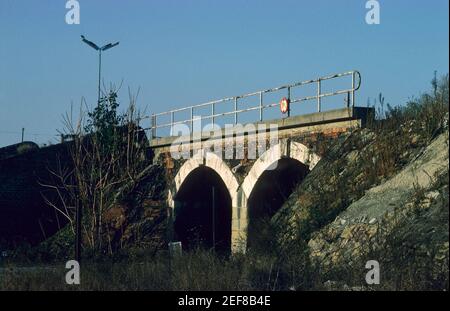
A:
(382, 194)
(401, 223)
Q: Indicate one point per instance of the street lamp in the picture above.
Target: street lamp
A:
(78, 205)
(100, 50)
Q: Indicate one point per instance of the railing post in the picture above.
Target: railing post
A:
(318, 95)
(153, 126)
(260, 106)
(171, 122)
(353, 89)
(235, 111)
(192, 120)
(289, 100)
(212, 112)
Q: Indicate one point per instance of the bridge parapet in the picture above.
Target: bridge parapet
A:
(324, 123)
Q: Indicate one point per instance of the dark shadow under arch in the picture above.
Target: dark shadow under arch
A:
(195, 223)
(269, 193)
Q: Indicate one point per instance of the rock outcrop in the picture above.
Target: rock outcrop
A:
(376, 195)
(404, 218)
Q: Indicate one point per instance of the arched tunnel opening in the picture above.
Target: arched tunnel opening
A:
(270, 192)
(203, 212)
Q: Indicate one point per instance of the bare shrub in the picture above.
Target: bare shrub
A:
(108, 151)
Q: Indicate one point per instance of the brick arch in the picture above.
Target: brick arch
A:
(269, 159)
(214, 162)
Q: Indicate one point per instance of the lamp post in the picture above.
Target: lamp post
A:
(78, 205)
(100, 50)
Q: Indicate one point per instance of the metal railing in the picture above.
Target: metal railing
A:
(355, 85)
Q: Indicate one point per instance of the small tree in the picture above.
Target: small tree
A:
(108, 151)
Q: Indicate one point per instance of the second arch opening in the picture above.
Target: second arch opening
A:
(272, 189)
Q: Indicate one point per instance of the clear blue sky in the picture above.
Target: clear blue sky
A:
(186, 52)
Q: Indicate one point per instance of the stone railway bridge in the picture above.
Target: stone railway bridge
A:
(214, 198)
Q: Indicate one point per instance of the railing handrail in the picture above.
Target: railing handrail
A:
(351, 99)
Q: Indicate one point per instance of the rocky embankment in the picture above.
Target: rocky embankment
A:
(404, 218)
(356, 206)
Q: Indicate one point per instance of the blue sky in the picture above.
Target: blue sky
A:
(185, 52)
